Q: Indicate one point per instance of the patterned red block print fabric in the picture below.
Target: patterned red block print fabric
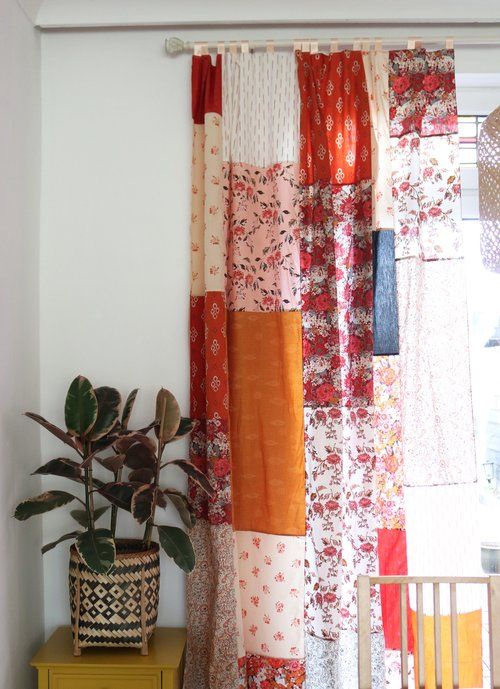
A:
(335, 139)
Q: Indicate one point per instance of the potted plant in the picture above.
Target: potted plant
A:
(114, 583)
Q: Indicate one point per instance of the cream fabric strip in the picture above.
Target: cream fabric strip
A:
(376, 64)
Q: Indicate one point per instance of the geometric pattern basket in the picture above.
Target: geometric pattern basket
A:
(119, 608)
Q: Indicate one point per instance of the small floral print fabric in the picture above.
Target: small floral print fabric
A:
(263, 236)
(271, 583)
(389, 474)
(341, 517)
(422, 92)
(426, 197)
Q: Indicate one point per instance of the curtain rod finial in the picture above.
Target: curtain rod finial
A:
(174, 45)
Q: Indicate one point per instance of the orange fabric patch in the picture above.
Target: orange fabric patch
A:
(267, 422)
(470, 671)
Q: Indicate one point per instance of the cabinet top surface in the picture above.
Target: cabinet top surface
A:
(165, 651)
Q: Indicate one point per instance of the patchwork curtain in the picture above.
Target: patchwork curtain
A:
(315, 446)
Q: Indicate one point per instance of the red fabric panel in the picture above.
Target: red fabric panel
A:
(335, 139)
(197, 357)
(393, 561)
(206, 86)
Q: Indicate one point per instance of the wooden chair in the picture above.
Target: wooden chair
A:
(364, 629)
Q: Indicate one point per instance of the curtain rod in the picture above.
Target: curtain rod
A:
(175, 45)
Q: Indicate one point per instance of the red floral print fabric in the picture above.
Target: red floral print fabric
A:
(422, 92)
(335, 134)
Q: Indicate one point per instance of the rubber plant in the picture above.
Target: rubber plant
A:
(92, 425)
(142, 492)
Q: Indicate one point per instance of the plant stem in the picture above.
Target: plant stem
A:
(114, 508)
(89, 488)
(150, 523)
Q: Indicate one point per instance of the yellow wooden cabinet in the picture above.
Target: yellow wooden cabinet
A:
(103, 668)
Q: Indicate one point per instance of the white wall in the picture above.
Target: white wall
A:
(115, 215)
(21, 585)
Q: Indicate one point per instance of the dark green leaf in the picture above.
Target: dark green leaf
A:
(42, 503)
(186, 426)
(80, 410)
(127, 409)
(66, 537)
(182, 506)
(178, 546)
(141, 475)
(119, 494)
(108, 405)
(61, 467)
(97, 549)
(80, 516)
(142, 503)
(113, 463)
(168, 415)
(140, 456)
(196, 474)
(58, 432)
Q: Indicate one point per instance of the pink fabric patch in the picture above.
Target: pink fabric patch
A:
(263, 236)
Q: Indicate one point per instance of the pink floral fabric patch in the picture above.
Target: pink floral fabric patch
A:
(422, 92)
(263, 237)
(271, 585)
(426, 195)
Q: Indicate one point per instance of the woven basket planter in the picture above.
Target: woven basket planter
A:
(119, 608)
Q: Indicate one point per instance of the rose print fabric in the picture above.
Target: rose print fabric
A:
(425, 158)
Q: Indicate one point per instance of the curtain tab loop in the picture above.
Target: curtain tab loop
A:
(356, 44)
(233, 48)
(449, 43)
(221, 48)
(244, 47)
(314, 47)
(334, 46)
(270, 46)
(378, 44)
(197, 49)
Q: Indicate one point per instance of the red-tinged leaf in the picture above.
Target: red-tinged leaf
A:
(140, 456)
(142, 503)
(196, 474)
(67, 468)
(141, 476)
(186, 427)
(108, 405)
(119, 494)
(126, 441)
(127, 409)
(58, 432)
(112, 463)
(168, 415)
(66, 537)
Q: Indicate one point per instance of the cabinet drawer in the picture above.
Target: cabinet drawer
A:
(99, 680)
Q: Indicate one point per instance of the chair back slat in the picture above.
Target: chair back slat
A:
(403, 608)
(365, 583)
